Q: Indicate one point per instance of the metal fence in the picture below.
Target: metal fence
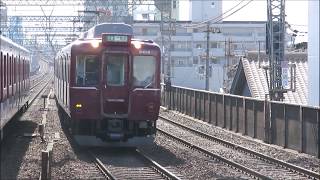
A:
(288, 125)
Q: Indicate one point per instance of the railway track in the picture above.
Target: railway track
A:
(248, 161)
(129, 163)
(37, 79)
(38, 87)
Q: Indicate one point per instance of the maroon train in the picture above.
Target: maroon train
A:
(109, 85)
(14, 80)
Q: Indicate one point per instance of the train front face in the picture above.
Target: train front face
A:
(117, 91)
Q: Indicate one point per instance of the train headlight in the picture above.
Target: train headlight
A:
(137, 45)
(95, 43)
(78, 106)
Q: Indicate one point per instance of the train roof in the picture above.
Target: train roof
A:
(95, 33)
(5, 42)
(116, 28)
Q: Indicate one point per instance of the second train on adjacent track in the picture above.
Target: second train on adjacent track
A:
(109, 84)
(14, 80)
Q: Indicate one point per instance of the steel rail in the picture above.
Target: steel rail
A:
(39, 92)
(284, 164)
(104, 170)
(158, 167)
(215, 156)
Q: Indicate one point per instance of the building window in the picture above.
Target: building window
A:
(195, 59)
(145, 16)
(144, 31)
(195, 30)
(213, 5)
(213, 45)
(174, 4)
(198, 46)
(171, 47)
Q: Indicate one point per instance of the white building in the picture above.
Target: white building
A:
(3, 18)
(188, 47)
(313, 54)
(201, 10)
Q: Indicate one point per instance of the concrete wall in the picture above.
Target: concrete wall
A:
(189, 77)
(290, 126)
(313, 54)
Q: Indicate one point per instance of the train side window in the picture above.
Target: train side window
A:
(11, 66)
(5, 70)
(22, 67)
(87, 68)
(144, 69)
(62, 68)
(18, 69)
(58, 67)
(115, 70)
(28, 69)
(10, 71)
(1, 72)
(15, 70)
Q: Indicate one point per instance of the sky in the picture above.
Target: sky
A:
(257, 10)
(296, 11)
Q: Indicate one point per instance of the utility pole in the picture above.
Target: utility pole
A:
(169, 49)
(276, 41)
(162, 44)
(207, 56)
(208, 31)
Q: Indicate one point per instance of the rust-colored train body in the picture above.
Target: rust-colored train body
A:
(14, 79)
(109, 84)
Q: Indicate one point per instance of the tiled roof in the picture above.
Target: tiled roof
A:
(257, 81)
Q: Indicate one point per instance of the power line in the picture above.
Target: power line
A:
(234, 11)
(203, 23)
(214, 18)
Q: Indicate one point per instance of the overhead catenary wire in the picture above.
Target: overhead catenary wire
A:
(216, 17)
(220, 17)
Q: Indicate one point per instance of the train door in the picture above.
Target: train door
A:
(115, 85)
(85, 94)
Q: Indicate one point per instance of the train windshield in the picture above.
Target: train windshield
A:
(115, 69)
(87, 70)
(144, 69)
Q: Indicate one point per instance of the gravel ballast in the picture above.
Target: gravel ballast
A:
(21, 155)
(300, 159)
(187, 163)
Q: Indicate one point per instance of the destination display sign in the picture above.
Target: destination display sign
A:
(114, 38)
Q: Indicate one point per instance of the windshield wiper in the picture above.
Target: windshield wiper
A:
(147, 85)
